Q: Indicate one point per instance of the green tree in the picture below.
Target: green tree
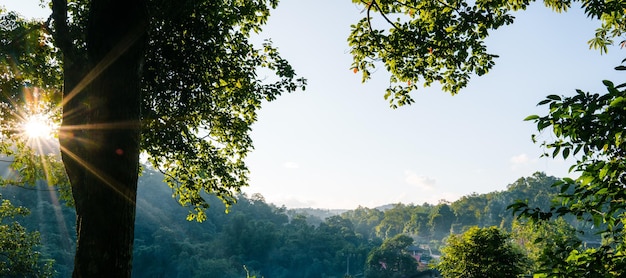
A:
(469, 210)
(546, 243)
(422, 42)
(590, 127)
(440, 220)
(364, 220)
(391, 259)
(18, 255)
(176, 80)
(481, 253)
(418, 225)
(393, 221)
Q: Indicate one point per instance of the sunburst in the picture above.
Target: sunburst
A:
(38, 127)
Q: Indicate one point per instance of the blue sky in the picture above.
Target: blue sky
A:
(339, 145)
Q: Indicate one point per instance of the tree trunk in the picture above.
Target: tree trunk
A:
(101, 135)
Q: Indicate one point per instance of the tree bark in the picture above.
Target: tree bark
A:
(100, 134)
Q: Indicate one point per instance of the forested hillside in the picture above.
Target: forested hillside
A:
(272, 241)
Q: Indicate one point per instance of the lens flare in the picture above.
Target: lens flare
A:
(38, 127)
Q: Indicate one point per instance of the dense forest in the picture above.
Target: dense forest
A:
(257, 238)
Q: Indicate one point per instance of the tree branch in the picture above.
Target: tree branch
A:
(61, 32)
(369, 22)
(384, 16)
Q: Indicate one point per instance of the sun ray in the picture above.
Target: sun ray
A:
(38, 127)
(108, 180)
(62, 229)
(104, 126)
(111, 57)
(36, 123)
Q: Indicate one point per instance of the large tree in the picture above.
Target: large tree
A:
(590, 127)
(391, 259)
(481, 252)
(546, 243)
(102, 87)
(176, 80)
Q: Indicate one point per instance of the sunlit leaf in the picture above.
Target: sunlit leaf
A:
(531, 117)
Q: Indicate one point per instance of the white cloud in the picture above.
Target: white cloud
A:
(421, 182)
(521, 161)
(291, 165)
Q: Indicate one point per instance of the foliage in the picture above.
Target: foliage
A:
(391, 259)
(444, 41)
(469, 209)
(546, 243)
(394, 221)
(29, 82)
(27, 63)
(258, 235)
(441, 219)
(201, 92)
(589, 127)
(481, 252)
(270, 241)
(18, 257)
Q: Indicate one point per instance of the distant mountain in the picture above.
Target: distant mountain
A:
(270, 241)
(316, 212)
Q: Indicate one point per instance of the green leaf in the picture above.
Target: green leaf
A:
(608, 83)
(565, 188)
(568, 180)
(617, 101)
(603, 171)
(620, 86)
(585, 180)
(556, 151)
(542, 125)
(554, 97)
(565, 153)
(531, 117)
(620, 68)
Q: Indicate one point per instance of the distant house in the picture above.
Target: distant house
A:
(416, 252)
(422, 256)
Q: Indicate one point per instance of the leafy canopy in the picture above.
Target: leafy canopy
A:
(590, 127)
(546, 243)
(30, 82)
(426, 41)
(201, 87)
(481, 252)
(391, 259)
(202, 90)
(18, 257)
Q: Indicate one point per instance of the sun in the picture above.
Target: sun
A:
(38, 126)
